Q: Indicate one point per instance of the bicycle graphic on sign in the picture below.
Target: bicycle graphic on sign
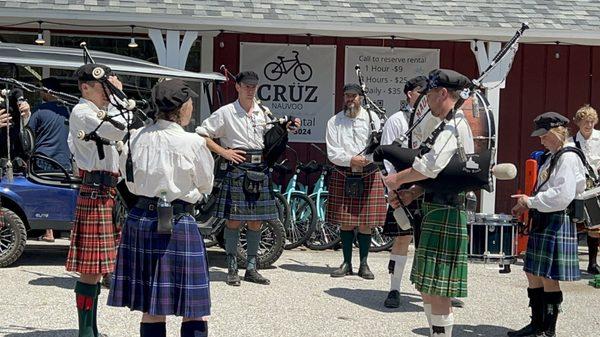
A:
(302, 71)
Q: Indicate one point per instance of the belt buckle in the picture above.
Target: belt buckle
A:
(255, 159)
(94, 195)
(151, 207)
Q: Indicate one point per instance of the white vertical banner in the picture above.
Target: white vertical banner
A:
(386, 70)
(295, 81)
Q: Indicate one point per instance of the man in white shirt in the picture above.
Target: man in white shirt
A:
(93, 238)
(588, 140)
(356, 193)
(440, 265)
(240, 128)
(395, 129)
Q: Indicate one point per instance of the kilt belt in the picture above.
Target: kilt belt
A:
(179, 206)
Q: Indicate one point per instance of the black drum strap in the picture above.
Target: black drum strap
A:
(554, 160)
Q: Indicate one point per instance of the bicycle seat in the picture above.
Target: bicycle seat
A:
(309, 168)
(280, 57)
(282, 168)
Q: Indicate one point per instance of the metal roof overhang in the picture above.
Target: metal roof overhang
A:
(71, 58)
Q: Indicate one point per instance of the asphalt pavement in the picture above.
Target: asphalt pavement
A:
(37, 300)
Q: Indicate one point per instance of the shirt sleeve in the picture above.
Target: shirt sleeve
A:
(392, 129)
(106, 129)
(212, 127)
(562, 186)
(335, 150)
(434, 161)
(204, 168)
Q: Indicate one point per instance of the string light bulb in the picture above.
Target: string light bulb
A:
(392, 42)
(132, 43)
(309, 41)
(557, 53)
(40, 37)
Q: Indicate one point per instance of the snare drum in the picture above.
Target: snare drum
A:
(493, 238)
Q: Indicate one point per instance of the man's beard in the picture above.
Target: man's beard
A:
(352, 110)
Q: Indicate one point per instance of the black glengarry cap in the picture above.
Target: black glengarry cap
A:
(247, 77)
(446, 78)
(85, 73)
(352, 88)
(546, 121)
(415, 82)
(170, 95)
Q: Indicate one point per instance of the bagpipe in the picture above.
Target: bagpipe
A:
(465, 171)
(276, 138)
(374, 139)
(134, 117)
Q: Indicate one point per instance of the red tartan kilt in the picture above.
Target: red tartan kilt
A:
(369, 210)
(94, 237)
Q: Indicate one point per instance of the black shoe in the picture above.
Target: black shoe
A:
(343, 270)
(593, 269)
(253, 276)
(233, 279)
(392, 300)
(365, 272)
(528, 330)
(456, 303)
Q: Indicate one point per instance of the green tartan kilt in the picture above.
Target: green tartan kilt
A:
(440, 263)
(233, 203)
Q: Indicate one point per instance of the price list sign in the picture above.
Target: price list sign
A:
(386, 70)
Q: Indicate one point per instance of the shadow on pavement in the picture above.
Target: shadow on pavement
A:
(304, 268)
(65, 282)
(26, 331)
(373, 299)
(42, 255)
(470, 331)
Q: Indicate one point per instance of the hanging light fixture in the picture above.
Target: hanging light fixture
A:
(40, 37)
(557, 53)
(309, 40)
(393, 38)
(132, 43)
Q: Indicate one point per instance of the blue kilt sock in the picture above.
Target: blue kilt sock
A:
(194, 329)
(232, 238)
(153, 329)
(253, 240)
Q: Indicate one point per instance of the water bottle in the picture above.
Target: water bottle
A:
(165, 214)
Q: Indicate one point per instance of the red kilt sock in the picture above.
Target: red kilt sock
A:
(153, 329)
(86, 295)
(194, 329)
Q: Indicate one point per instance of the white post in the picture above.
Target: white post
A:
(206, 65)
(484, 55)
(172, 53)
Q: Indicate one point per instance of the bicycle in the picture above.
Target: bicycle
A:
(274, 70)
(302, 218)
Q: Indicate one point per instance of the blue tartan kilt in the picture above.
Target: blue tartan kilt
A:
(552, 250)
(161, 274)
(233, 203)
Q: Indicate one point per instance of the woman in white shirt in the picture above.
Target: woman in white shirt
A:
(588, 140)
(552, 246)
(160, 270)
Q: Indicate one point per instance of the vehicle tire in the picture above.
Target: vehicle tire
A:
(273, 71)
(272, 239)
(303, 72)
(210, 241)
(326, 235)
(380, 242)
(302, 220)
(283, 208)
(13, 236)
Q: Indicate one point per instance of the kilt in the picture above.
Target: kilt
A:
(233, 203)
(440, 262)
(161, 274)
(552, 250)
(370, 209)
(93, 238)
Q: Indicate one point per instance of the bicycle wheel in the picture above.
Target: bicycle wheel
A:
(303, 219)
(302, 72)
(326, 235)
(380, 242)
(273, 71)
(283, 208)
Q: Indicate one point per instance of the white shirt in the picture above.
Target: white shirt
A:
(84, 117)
(346, 137)
(590, 147)
(235, 127)
(423, 129)
(445, 146)
(565, 182)
(393, 128)
(167, 158)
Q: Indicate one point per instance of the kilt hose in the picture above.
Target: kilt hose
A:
(94, 237)
(370, 209)
(161, 274)
(233, 203)
(552, 250)
(440, 262)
